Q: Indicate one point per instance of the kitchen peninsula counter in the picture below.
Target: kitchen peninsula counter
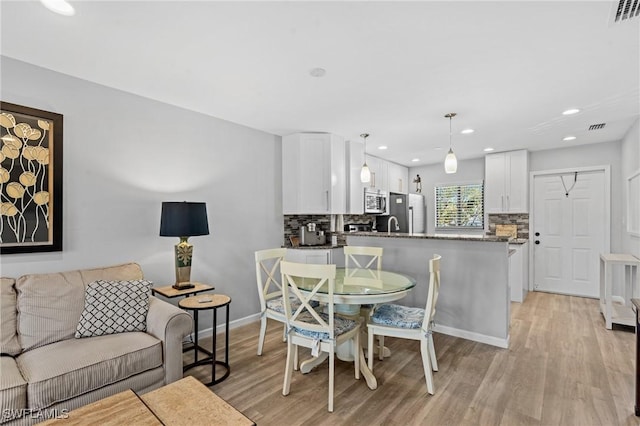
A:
(475, 297)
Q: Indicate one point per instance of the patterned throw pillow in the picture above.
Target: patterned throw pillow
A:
(112, 307)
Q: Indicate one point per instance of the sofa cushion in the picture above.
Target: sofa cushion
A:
(66, 369)
(49, 305)
(9, 344)
(13, 390)
(114, 307)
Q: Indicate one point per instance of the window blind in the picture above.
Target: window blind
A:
(460, 206)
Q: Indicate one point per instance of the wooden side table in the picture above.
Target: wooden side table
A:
(169, 292)
(201, 303)
(615, 313)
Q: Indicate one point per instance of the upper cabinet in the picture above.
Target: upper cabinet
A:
(387, 176)
(355, 188)
(379, 173)
(506, 184)
(398, 180)
(313, 174)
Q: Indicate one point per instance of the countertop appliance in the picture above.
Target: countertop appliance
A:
(410, 212)
(357, 227)
(309, 236)
(375, 201)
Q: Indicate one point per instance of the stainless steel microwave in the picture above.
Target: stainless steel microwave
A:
(375, 202)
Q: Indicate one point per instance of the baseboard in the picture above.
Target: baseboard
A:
(476, 337)
(232, 324)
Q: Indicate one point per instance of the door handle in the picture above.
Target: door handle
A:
(537, 234)
(537, 242)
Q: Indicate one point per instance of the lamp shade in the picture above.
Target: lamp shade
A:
(365, 174)
(450, 162)
(183, 219)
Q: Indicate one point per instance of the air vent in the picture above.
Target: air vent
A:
(625, 10)
(597, 126)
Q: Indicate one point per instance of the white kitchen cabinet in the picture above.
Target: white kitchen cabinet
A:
(316, 256)
(355, 188)
(313, 174)
(398, 180)
(506, 183)
(379, 173)
(519, 271)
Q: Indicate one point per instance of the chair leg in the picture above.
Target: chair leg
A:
(295, 358)
(288, 370)
(331, 377)
(263, 330)
(426, 364)
(358, 352)
(381, 348)
(284, 332)
(432, 353)
(370, 336)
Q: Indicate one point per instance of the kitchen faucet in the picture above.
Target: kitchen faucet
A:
(389, 224)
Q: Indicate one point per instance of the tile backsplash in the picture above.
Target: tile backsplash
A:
(519, 219)
(292, 224)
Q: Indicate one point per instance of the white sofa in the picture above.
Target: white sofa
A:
(45, 371)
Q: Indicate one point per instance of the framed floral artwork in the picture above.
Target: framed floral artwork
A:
(30, 180)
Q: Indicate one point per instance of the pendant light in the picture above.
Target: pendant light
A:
(450, 161)
(365, 173)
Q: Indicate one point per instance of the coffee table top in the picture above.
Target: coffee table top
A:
(189, 402)
(116, 410)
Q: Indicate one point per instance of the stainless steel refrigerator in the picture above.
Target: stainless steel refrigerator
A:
(408, 210)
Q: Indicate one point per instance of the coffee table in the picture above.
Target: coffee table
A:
(185, 402)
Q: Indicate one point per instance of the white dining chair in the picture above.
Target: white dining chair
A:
(410, 323)
(363, 257)
(321, 332)
(269, 290)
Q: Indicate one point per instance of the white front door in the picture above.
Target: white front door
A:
(569, 231)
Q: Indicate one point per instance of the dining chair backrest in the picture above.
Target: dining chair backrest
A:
(268, 276)
(314, 277)
(371, 257)
(434, 290)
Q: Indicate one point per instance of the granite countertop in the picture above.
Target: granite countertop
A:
(322, 247)
(461, 237)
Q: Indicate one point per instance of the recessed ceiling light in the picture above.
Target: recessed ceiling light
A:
(382, 147)
(467, 131)
(488, 149)
(571, 111)
(415, 160)
(438, 148)
(568, 138)
(317, 72)
(61, 7)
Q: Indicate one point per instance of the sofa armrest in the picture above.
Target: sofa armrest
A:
(169, 324)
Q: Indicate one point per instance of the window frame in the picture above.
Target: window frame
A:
(459, 185)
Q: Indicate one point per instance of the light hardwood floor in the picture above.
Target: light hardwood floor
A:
(562, 368)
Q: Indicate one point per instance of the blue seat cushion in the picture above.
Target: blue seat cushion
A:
(398, 316)
(276, 304)
(340, 325)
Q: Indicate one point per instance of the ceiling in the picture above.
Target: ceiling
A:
(393, 69)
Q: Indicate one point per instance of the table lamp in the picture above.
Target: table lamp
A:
(183, 220)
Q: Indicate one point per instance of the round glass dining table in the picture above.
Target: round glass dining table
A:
(355, 287)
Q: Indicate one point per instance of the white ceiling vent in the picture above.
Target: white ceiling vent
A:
(623, 10)
(597, 126)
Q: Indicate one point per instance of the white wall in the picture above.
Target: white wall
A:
(630, 165)
(124, 155)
